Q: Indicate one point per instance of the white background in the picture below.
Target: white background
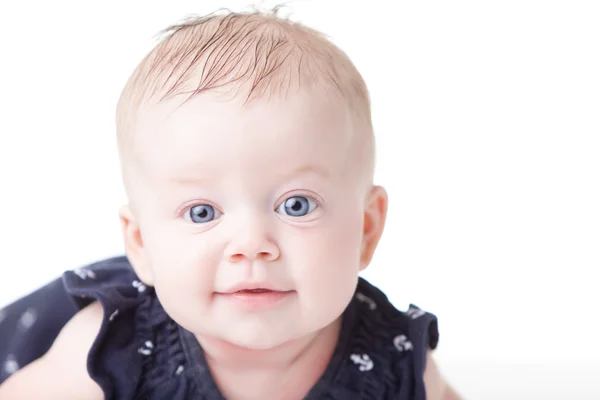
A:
(487, 116)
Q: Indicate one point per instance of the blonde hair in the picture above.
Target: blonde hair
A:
(258, 52)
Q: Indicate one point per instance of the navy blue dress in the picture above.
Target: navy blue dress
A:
(141, 353)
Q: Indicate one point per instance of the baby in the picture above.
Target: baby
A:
(247, 155)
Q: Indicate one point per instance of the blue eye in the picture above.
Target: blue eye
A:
(297, 206)
(202, 213)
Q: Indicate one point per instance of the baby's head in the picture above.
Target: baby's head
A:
(247, 155)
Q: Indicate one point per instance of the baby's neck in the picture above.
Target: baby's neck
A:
(287, 371)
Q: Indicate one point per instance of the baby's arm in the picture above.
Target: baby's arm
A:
(62, 372)
(436, 387)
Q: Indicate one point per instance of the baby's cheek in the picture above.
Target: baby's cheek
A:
(343, 242)
(183, 291)
(328, 250)
(182, 274)
(329, 266)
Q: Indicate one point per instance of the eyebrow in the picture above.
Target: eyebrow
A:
(203, 180)
(314, 169)
(193, 180)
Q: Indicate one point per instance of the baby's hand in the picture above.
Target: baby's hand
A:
(61, 373)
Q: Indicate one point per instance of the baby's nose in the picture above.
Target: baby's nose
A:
(252, 244)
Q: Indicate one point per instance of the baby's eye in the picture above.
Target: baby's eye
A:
(297, 206)
(201, 213)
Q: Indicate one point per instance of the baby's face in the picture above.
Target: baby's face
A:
(262, 196)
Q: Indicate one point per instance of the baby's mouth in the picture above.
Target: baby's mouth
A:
(256, 299)
(255, 291)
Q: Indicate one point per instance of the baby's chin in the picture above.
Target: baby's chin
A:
(232, 343)
(259, 344)
(262, 337)
(266, 339)
(249, 334)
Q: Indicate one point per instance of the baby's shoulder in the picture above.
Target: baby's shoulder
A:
(101, 279)
(71, 347)
(62, 371)
(383, 322)
(388, 348)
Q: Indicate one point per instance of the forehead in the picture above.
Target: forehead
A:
(208, 133)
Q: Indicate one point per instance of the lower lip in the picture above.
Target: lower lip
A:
(257, 300)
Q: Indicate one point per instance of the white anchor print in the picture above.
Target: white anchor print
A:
(365, 299)
(364, 362)
(28, 319)
(146, 350)
(11, 365)
(401, 343)
(179, 370)
(113, 315)
(141, 288)
(84, 273)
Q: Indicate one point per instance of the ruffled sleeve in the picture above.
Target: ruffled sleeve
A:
(138, 352)
(112, 361)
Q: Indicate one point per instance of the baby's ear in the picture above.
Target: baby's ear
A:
(374, 222)
(134, 245)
